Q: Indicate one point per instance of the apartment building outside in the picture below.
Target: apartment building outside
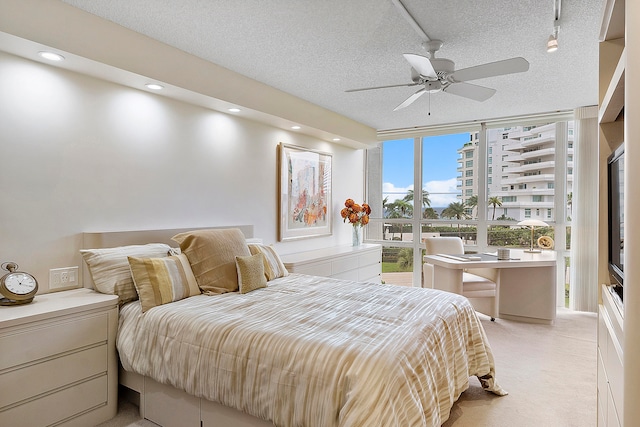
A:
(520, 172)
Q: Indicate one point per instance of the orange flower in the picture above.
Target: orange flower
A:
(357, 215)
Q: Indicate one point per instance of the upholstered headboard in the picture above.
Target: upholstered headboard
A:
(110, 239)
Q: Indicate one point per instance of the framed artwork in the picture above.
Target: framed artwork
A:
(304, 193)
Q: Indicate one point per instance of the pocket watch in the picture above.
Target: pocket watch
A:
(17, 287)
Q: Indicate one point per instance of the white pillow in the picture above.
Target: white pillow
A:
(109, 267)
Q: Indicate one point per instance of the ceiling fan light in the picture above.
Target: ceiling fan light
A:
(552, 43)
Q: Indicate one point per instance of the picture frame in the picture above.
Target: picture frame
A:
(304, 190)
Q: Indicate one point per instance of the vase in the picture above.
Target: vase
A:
(356, 236)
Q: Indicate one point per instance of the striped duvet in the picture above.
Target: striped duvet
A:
(311, 351)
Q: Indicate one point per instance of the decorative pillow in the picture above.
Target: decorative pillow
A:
(211, 254)
(251, 273)
(110, 271)
(273, 265)
(163, 280)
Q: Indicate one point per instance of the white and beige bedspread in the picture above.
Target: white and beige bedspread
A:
(311, 351)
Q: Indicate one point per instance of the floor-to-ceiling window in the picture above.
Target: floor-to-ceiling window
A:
(476, 184)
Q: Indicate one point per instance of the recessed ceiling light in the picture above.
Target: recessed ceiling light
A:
(154, 86)
(234, 110)
(295, 127)
(51, 56)
(336, 139)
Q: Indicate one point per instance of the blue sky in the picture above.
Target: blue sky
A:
(439, 173)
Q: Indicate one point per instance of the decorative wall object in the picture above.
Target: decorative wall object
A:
(304, 192)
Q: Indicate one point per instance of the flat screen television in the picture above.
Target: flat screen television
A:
(615, 172)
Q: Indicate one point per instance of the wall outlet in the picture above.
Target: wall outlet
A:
(63, 278)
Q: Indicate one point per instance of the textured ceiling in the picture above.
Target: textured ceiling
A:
(317, 49)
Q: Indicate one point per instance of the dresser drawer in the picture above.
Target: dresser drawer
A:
(317, 269)
(343, 264)
(347, 275)
(17, 384)
(55, 407)
(374, 257)
(47, 340)
(370, 273)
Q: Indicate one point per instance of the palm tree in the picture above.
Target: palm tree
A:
(494, 201)
(426, 202)
(385, 207)
(472, 202)
(570, 204)
(405, 258)
(401, 209)
(430, 213)
(455, 210)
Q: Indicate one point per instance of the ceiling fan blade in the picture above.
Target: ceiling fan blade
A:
(421, 64)
(498, 68)
(381, 87)
(410, 99)
(467, 90)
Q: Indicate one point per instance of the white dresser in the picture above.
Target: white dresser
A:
(58, 362)
(359, 263)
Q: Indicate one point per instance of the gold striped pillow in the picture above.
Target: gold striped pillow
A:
(162, 280)
(273, 265)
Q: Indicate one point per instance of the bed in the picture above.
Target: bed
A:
(299, 351)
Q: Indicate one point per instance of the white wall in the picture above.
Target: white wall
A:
(81, 154)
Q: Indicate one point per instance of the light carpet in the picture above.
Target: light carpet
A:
(548, 370)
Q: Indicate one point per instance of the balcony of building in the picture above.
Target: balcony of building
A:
(542, 179)
(513, 157)
(542, 140)
(532, 166)
(548, 151)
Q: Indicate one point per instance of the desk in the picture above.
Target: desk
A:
(526, 283)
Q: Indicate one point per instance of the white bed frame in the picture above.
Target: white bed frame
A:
(160, 403)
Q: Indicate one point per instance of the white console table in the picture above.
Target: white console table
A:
(359, 263)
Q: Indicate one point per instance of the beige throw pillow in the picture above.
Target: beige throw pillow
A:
(162, 280)
(250, 273)
(211, 254)
(273, 265)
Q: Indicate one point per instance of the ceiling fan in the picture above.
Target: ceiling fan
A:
(439, 74)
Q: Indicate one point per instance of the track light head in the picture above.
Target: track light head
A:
(552, 43)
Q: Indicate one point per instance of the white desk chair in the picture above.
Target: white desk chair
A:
(481, 292)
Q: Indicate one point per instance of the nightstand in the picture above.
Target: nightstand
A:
(58, 363)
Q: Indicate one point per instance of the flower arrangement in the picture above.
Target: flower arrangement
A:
(357, 215)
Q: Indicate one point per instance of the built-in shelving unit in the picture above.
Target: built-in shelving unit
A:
(613, 67)
(613, 101)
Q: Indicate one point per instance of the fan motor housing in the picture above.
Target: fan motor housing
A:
(443, 66)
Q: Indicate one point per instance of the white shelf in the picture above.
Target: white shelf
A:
(613, 101)
(612, 20)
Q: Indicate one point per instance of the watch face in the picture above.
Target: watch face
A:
(20, 283)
